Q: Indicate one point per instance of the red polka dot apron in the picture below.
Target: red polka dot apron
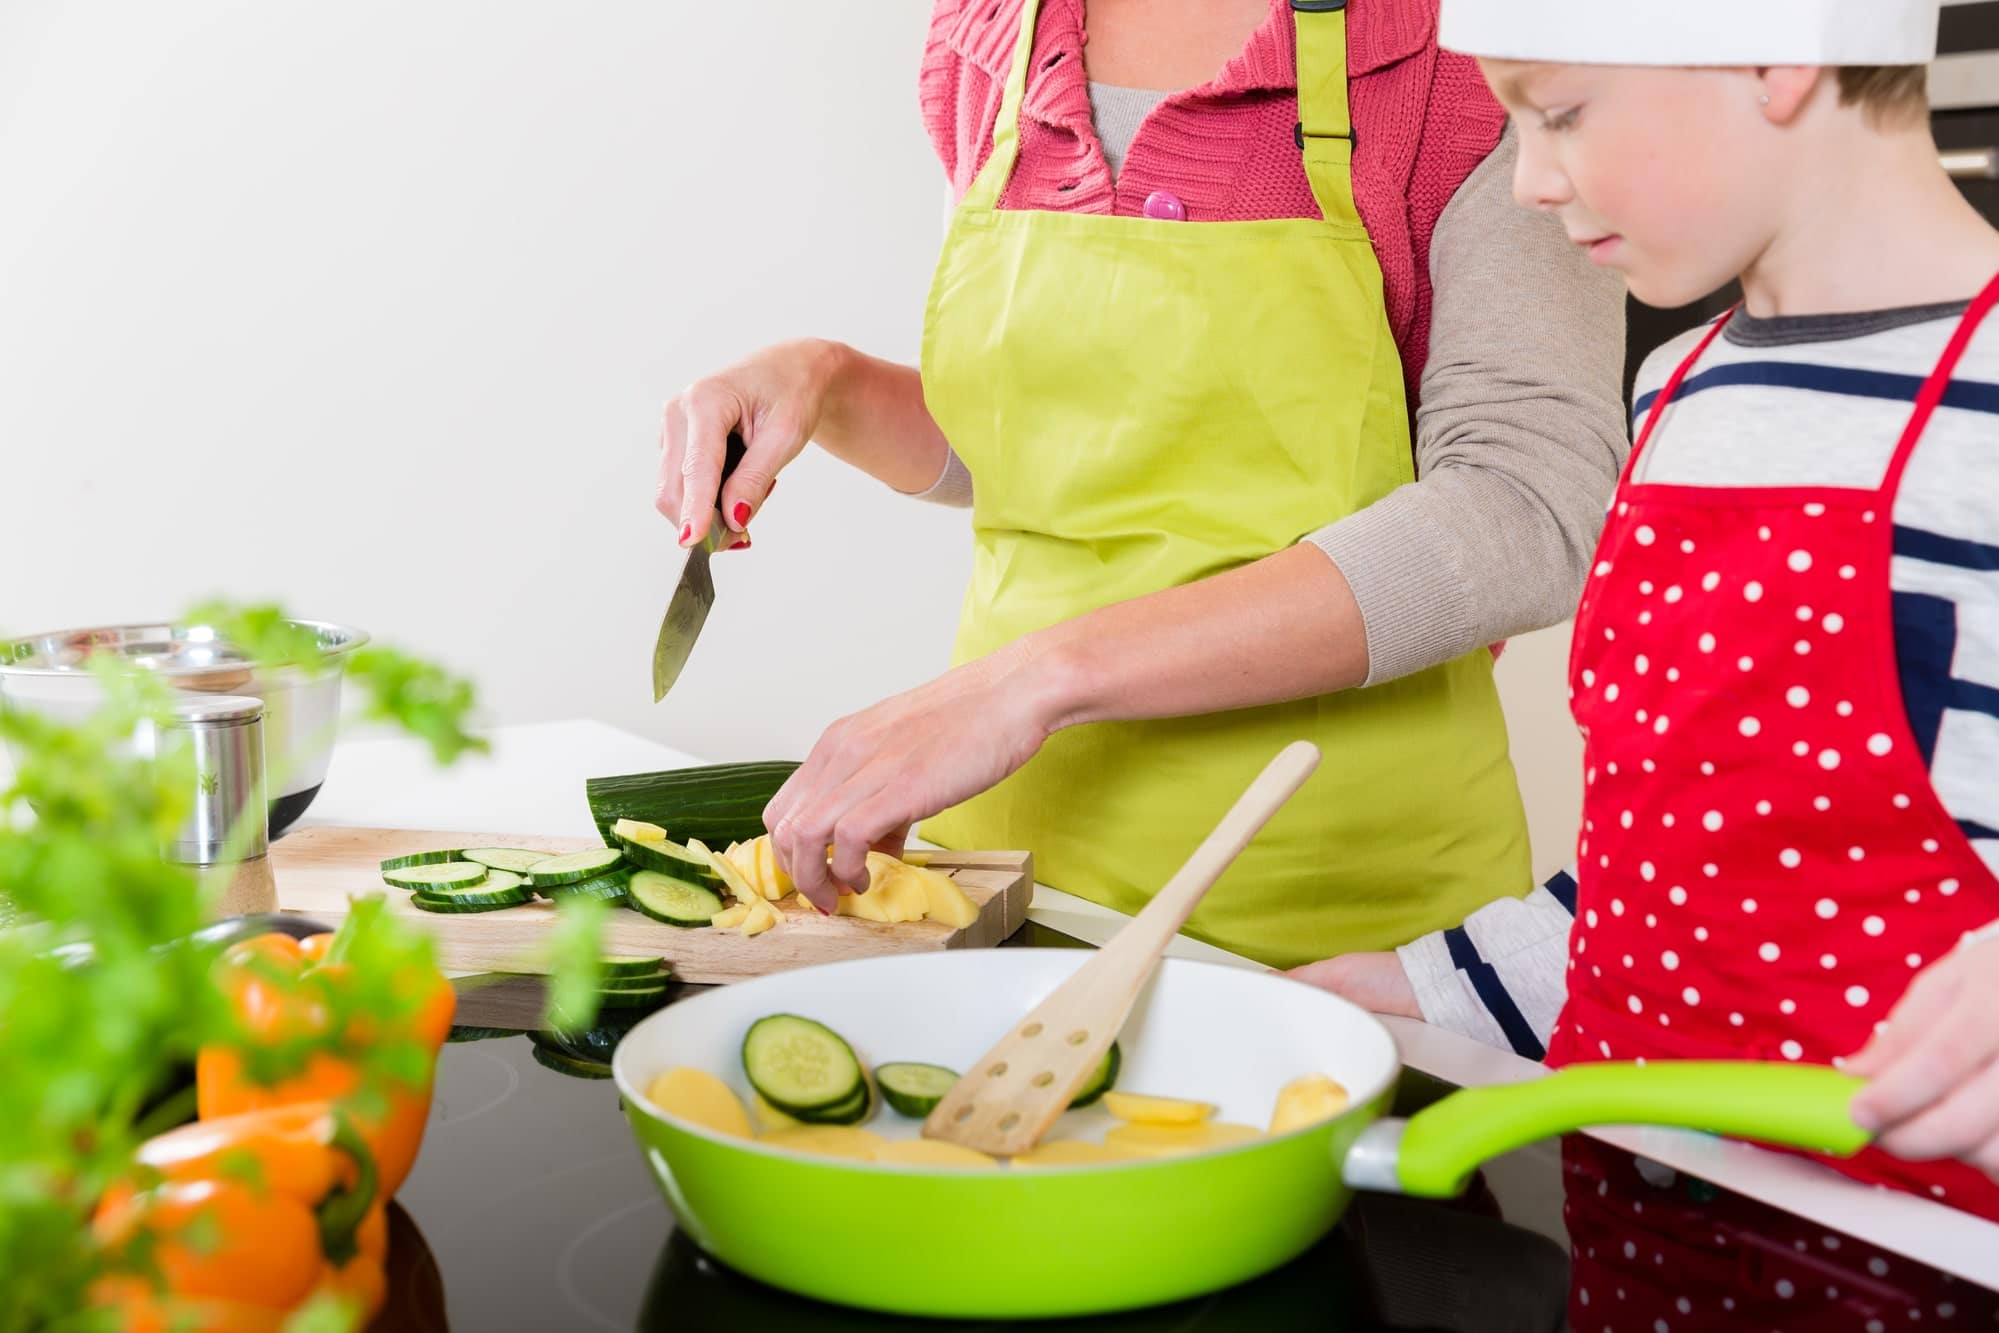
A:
(1658, 1251)
(1763, 864)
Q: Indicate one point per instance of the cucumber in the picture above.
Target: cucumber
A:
(677, 902)
(719, 804)
(610, 887)
(625, 985)
(670, 858)
(574, 867)
(420, 859)
(914, 1090)
(633, 965)
(516, 859)
(631, 999)
(563, 1063)
(1102, 1081)
(439, 875)
(464, 902)
(637, 830)
(802, 1067)
(850, 1112)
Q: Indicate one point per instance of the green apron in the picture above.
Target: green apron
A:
(1143, 403)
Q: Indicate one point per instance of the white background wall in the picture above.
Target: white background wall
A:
(372, 307)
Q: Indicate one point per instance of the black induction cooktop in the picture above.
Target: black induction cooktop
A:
(530, 1209)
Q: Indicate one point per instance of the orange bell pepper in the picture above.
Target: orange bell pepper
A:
(245, 1219)
(286, 990)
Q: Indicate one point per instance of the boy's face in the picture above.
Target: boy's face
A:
(1663, 174)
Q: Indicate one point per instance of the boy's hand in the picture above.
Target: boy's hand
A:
(1374, 981)
(1933, 1087)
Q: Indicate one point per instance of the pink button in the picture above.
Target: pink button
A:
(1166, 206)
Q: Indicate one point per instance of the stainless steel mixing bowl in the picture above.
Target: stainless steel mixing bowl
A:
(47, 673)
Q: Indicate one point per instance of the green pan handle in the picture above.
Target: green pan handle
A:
(1798, 1106)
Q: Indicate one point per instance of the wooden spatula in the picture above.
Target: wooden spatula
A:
(1011, 1095)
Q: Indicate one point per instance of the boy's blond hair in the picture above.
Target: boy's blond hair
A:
(1892, 95)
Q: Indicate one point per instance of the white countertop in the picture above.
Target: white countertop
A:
(532, 782)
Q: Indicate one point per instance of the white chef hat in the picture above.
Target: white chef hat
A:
(1694, 32)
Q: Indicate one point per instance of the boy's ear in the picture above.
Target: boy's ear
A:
(1785, 89)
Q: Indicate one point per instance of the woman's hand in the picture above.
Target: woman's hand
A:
(1375, 981)
(774, 401)
(876, 772)
(862, 410)
(1933, 1087)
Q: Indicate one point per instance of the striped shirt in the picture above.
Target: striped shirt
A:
(1800, 401)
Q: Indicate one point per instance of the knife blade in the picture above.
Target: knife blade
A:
(694, 596)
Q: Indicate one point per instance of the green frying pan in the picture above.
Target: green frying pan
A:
(1086, 1239)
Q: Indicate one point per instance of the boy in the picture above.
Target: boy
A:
(1786, 664)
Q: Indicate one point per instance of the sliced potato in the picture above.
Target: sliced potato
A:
(638, 831)
(943, 900)
(730, 917)
(1178, 1140)
(698, 1096)
(932, 1152)
(1307, 1101)
(827, 1141)
(1072, 1152)
(1142, 1110)
(762, 916)
(771, 1118)
(732, 877)
(770, 874)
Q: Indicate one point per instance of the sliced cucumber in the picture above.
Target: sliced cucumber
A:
(631, 999)
(677, 902)
(914, 1090)
(441, 875)
(638, 830)
(1102, 1081)
(563, 1063)
(477, 897)
(800, 1066)
(850, 1112)
(574, 867)
(611, 888)
(420, 859)
(670, 858)
(652, 981)
(516, 859)
(632, 965)
(461, 902)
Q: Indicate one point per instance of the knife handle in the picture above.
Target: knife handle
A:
(731, 457)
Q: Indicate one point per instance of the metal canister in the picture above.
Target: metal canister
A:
(225, 838)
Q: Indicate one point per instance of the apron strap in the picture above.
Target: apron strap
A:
(1937, 385)
(1325, 122)
(992, 178)
(1672, 387)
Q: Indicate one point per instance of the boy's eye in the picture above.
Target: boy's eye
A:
(1559, 121)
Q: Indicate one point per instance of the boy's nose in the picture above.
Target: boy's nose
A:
(1538, 182)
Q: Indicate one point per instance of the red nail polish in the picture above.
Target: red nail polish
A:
(742, 512)
(686, 534)
(741, 545)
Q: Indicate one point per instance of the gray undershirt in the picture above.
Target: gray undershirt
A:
(1118, 112)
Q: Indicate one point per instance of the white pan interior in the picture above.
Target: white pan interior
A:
(1217, 1034)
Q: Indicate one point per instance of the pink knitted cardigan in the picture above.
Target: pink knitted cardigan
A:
(1423, 120)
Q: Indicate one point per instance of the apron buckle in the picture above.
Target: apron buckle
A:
(1298, 129)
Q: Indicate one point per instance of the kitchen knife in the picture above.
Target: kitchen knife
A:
(694, 595)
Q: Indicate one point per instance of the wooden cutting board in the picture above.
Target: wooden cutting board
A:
(318, 869)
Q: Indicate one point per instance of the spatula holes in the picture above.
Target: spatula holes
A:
(964, 1112)
(998, 1070)
(1044, 1078)
(1008, 1121)
(1078, 1037)
(1031, 1030)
